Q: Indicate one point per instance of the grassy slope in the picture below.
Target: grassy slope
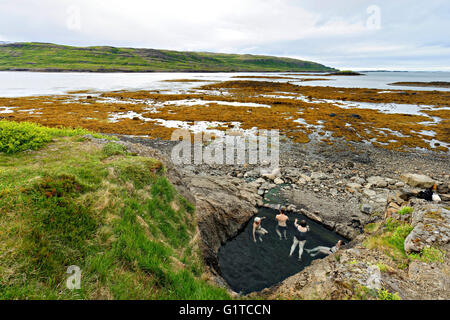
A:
(47, 57)
(112, 214)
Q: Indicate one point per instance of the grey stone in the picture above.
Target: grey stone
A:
(366, 208)
(318, 176)
(377, 181)
(417, 180)
(353, 187)
(369, 193)
(278, 181)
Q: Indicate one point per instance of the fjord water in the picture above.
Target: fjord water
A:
(17, 84)
(248, 266)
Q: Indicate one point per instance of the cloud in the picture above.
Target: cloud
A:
(325, 31)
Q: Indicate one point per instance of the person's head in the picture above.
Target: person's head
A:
(257, 220)
(282, 211)
(303, 223)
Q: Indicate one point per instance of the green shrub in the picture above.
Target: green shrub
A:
(59, 186)
(371, 227)
(20, 136)
(405, 210)
(137, 173)
(429, 254)
(391, 239)
(17, 137)
(114, 149)
(399, 233)
(386, 295)
(382, 267)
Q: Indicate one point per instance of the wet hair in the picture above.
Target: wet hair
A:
(303, 223)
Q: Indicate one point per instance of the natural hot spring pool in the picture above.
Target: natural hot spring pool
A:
(249, 266)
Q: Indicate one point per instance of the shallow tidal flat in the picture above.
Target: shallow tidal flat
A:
(392, 119)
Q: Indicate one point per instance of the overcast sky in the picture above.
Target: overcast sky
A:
(347, 34)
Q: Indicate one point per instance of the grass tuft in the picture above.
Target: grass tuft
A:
(405, 210)
(114, 149)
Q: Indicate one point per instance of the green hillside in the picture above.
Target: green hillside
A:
(51, 57)
(66, 201)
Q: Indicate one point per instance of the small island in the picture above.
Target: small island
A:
(345, 73)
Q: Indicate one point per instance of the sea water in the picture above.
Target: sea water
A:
(17, 84)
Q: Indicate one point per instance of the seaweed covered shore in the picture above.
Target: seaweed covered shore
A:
(390, 119)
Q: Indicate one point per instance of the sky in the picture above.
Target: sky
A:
(345, 34)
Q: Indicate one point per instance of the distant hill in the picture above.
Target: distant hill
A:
(51, 57)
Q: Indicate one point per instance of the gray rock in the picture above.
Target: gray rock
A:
(358, 180)
(318, 176)
(366, 208)
(251, 173)
(417, 180)
(374, 279)
(254, 184)
(390, 181)
(291, 208)
(377, 181)
(305, 177)
(353, 187)
(380, 200)
(275, 206)
(399, 184)
(310, 215)
(431, 227)
(260, 180)
(272, 175)
(369, 193)
(278, 181)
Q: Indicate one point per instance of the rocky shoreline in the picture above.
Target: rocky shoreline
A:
(344, 188)
(322, 181)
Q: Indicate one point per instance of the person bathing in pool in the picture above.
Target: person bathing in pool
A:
(258, 229)
(324, 250)
(299, 238)
(281, 227)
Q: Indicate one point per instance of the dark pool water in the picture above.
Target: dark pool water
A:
(249, 266)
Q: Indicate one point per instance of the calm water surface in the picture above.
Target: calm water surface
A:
(17, 84)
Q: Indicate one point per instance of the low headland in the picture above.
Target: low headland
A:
(47, 57)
